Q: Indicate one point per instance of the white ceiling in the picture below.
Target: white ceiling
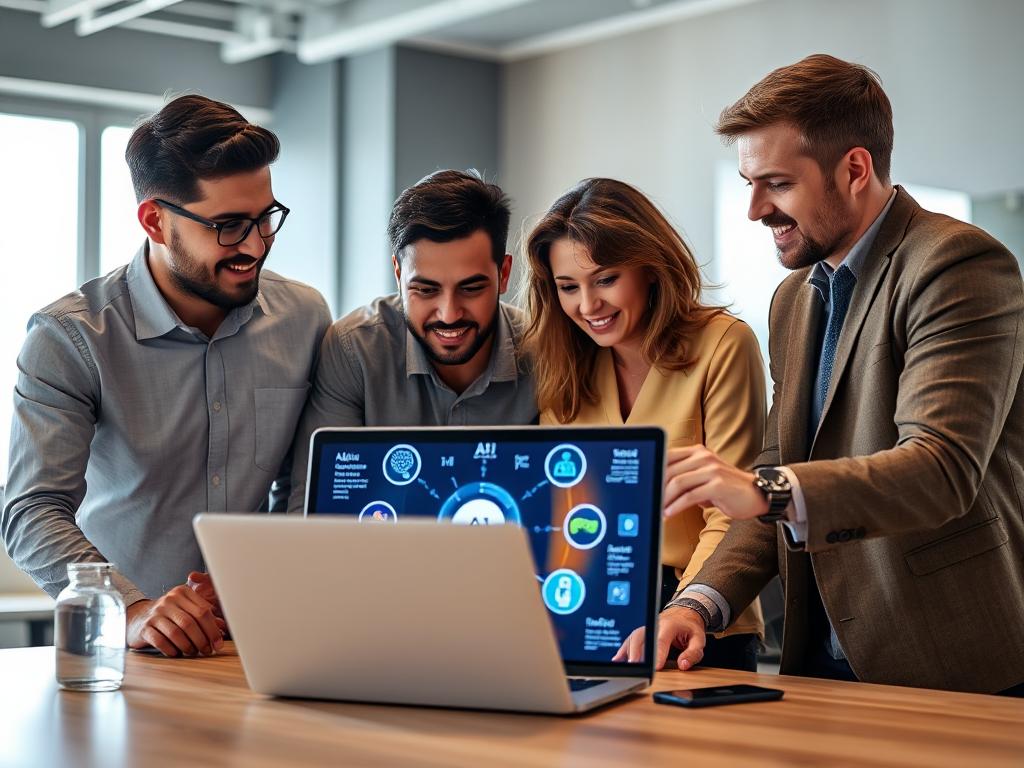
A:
(321, 30)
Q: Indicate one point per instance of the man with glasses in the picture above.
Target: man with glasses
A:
(168, 387)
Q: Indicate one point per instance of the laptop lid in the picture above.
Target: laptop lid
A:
(589, 498)
(331, 608)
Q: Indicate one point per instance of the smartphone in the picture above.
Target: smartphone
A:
(724, 694)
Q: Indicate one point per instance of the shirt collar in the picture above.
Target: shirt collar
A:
(154, 316)
(821, 274)
(503, 365)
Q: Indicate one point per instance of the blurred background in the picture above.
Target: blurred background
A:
(368, 96)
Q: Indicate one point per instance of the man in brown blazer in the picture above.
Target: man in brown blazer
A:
(890, 488)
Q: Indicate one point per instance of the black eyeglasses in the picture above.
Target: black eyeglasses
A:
(234, 231)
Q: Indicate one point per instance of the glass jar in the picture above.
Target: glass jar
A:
(89, 630)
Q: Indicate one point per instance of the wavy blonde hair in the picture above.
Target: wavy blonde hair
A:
(620, 227)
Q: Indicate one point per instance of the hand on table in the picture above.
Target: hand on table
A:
(202, 585)
(180, 623)
(694, 476)
(677, 626)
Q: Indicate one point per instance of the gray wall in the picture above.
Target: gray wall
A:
(307, 115)
(1002, 216)
(128, 61)
(640, 107)
(447, 115)
(368, 177)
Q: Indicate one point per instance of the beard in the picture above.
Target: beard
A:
(455, 357)
(191, 276)
(832, 221)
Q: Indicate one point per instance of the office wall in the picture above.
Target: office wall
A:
(368, 176)
(448, 115)
(1002, 215)
(307, 116)
(641, 107)
(127, 61)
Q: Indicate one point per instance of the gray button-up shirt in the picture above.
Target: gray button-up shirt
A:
(373, 372)
(127, 423)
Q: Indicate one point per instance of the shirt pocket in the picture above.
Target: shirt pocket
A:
(277, 416)
(681, 433)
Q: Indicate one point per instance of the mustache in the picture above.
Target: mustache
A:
(439, 326)
(777, 220)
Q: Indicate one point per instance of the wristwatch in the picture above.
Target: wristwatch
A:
(775, 486)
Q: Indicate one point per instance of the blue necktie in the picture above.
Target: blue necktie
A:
(840, 290)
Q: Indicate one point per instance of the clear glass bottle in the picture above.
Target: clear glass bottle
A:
(89, 630)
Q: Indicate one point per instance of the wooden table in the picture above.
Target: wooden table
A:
(199, 712)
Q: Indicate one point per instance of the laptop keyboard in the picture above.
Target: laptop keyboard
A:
(581, 684)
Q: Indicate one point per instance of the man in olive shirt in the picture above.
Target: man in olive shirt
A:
(445, 349)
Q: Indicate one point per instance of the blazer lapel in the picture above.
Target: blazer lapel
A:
(800, 366)
(877, 265)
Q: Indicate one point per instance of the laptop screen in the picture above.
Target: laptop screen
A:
(590, 500)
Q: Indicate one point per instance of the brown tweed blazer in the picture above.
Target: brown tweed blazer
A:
(914, 480)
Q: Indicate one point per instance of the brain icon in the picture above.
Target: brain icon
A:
(401, 462)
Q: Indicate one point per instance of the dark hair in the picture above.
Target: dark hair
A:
(834, 104)
(194, 138)
(619, 226)
(450, 205)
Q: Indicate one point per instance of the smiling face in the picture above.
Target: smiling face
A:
(196, 264)
(450, 296)
(809, 217)
(608, 303)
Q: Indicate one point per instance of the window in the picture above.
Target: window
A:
(120, 232)
(66, 189)
(39, 235)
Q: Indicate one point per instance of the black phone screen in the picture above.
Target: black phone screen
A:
(725, 694)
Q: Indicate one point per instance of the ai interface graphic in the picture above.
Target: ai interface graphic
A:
(586, 504)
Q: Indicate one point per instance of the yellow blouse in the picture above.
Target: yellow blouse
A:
(719, 402)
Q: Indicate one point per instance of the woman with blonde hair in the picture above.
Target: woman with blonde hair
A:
(618, 335)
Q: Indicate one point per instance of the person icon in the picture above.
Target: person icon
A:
(563, 591)
(566, 467)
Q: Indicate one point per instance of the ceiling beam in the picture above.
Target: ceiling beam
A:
(60, 11)
(89, 23)
(258, 33)
(362, 25)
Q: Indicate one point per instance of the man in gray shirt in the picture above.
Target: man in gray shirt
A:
(445, 349)
(170, 386)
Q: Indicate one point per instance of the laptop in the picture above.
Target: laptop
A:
(588, 499)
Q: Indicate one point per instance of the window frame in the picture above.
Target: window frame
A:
(91, 121)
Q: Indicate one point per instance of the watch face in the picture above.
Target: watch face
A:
(772, 480)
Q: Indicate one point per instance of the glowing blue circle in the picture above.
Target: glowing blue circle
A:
(483, 503)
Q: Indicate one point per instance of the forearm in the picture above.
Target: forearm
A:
(42, 538)
(744, 561)
(919, 485)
